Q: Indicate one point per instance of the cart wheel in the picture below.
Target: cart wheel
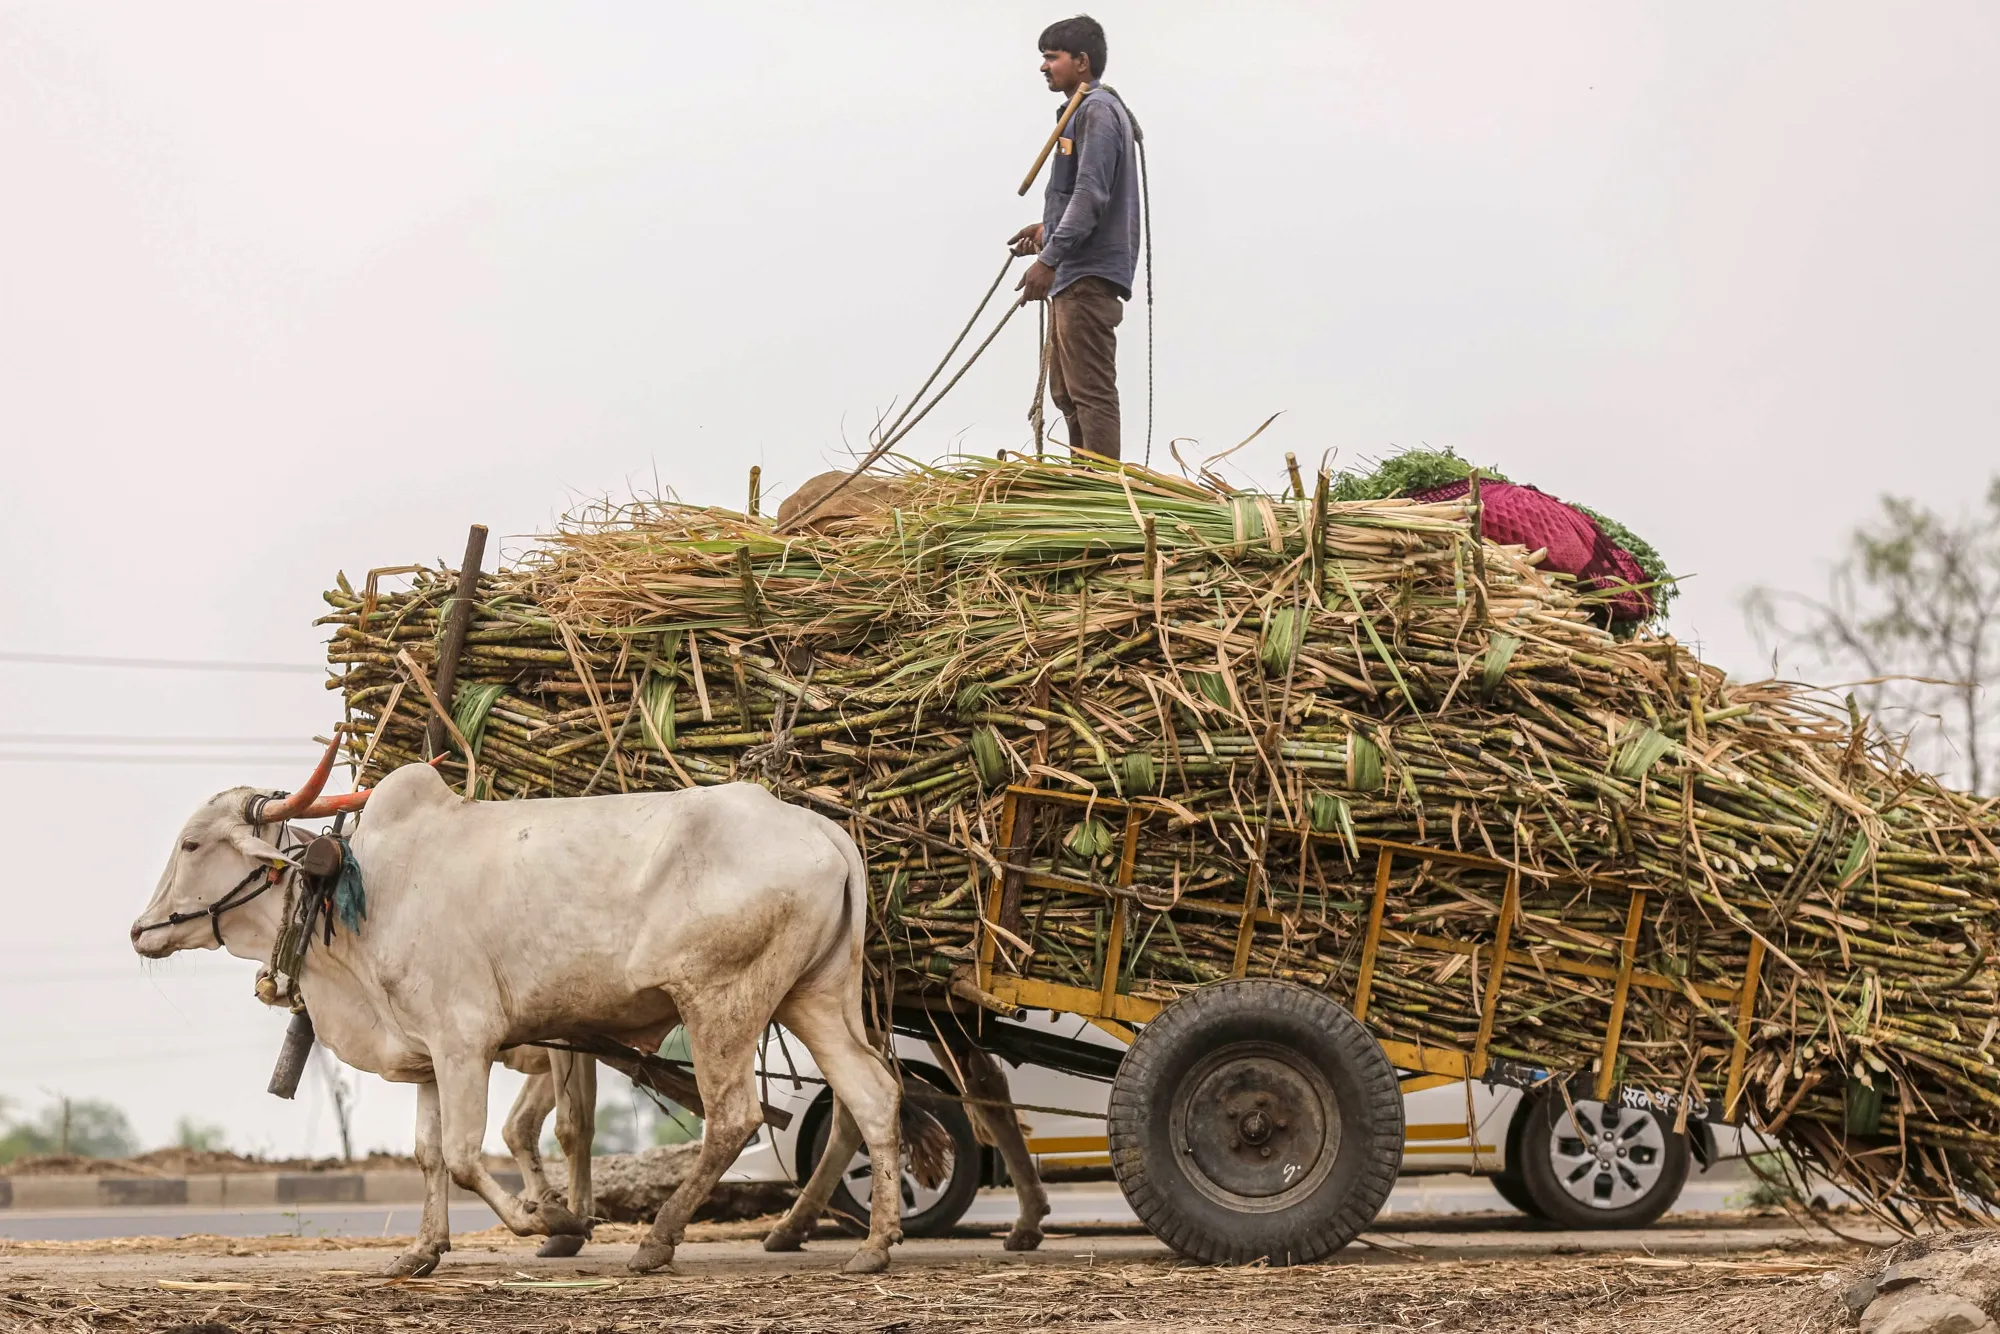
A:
(1256, 1120)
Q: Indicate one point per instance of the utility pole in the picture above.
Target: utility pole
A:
(343, 1102)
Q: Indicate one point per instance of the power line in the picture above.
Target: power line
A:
(102, 739)
(160, 664)
(87, 757)
(143, 1057)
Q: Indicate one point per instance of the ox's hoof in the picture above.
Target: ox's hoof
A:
(868, 1260)
(560, 1248)
(555, 1220)
(784, 1239)
(411, 1264)
(651, 1255)
(1023, 1239)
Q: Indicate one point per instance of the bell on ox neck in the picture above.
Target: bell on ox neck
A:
(322, 857)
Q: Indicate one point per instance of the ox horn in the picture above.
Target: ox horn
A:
(305, 804)
(326, 806)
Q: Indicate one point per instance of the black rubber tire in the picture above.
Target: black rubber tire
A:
(1515, 1191)
(1268, 1020)
(967, 1164)
(1558, 1206)
(1508, 1181)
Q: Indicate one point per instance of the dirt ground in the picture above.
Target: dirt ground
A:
(491, 1281)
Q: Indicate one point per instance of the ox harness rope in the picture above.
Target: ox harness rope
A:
(253, 811)
(213, 912)
(324, 864)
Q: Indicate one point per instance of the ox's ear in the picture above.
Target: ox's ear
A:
(255, 848)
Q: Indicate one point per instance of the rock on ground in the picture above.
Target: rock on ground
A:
(1943, 1284)
(631, 1187)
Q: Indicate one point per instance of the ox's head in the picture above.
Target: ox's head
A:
(220, 858)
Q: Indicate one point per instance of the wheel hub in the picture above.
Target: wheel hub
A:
(1256, 1126)
(1607, 1156)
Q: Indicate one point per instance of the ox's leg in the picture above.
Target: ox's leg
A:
(841, 1142)
(985, 1083)
(522, 1132)
(461, 1091)
(725, 1069)
(830, 1026)
(576, 1126)
(434, 1233)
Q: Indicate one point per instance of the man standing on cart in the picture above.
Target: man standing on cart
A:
(1087, 243)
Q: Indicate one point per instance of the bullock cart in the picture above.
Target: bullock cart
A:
(1260, 1114)
(1315, 803)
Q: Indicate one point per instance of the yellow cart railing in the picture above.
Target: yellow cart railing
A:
(1429, 1064)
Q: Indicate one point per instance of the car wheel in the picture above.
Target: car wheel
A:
(1508, 1182)
(1256, 1120)
(1590, 1164)
(928, 1211)
(1515, 1191)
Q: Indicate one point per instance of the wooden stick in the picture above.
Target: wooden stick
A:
(1510, 905)
(963, 986)
(988, 942)
(1114, 949)
(1320, 490)
(752, 605)
(454, 634)
(1075, 101)
(1364, 982)
(1246, 925)
(1746, 1012)
(1628, 955)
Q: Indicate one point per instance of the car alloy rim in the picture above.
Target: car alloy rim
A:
(1606, 1156)
(917, 1197)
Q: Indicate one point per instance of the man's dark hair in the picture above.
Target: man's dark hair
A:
(1080, 36)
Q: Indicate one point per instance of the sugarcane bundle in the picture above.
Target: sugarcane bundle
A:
(1276, 678)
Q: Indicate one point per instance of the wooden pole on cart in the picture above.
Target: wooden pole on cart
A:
(1364, 981)
(1746, 1013)
(1114, 949)
(1503, 936)
(454, 635)
(1621, 991)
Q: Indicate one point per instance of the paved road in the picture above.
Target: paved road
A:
(1073, 1205)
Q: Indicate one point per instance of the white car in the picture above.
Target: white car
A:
(1613, 1166)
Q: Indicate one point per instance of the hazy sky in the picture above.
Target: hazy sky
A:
(286, 290)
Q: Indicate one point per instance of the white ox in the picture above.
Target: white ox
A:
(492, 924)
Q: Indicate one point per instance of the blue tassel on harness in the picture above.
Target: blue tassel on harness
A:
(350, 900)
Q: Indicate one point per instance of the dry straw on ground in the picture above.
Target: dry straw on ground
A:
(1271, 678)
(1789, 1293)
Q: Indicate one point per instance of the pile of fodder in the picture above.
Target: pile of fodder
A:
(1277, 677)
